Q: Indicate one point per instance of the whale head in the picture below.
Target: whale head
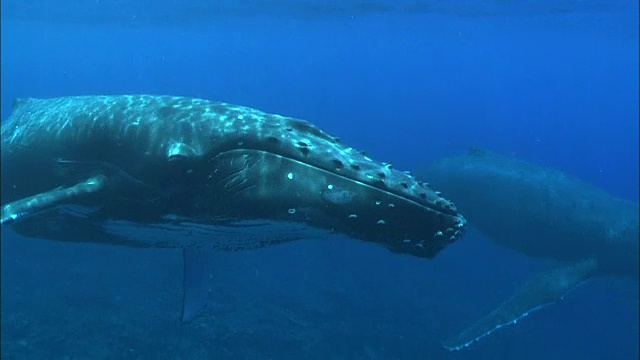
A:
(286, 169)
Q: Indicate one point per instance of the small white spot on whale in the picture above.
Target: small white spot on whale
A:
(353, 216)
(338, 196)
(290, 176)
(381, 222)
(291, 211)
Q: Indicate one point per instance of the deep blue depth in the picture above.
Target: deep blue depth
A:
(554, 84)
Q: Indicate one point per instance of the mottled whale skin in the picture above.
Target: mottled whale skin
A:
(218, 176)
(540, 212)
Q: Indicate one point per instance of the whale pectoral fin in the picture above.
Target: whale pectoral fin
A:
(26, 207)
(544, 289)
(195, 291)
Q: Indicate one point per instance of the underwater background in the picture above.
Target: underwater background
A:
(552, 82)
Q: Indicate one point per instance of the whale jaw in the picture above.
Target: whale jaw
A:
(260, 184)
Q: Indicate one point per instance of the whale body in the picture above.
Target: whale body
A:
(540, 212)
(200, 175)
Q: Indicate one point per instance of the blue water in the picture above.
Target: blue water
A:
(553, 82)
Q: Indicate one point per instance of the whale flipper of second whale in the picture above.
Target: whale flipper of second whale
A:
(194, 290)
(544, 289)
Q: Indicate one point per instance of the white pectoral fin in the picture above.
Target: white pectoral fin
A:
(544, 289)
(23, 208)
(195, 292)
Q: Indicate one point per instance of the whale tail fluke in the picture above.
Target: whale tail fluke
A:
(544, 289)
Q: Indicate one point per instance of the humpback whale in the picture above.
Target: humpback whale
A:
(540, 212)
(199, 175)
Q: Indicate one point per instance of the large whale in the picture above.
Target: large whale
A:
(199, 175)
(540, 212)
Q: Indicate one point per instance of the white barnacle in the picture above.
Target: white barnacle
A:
(291, 211)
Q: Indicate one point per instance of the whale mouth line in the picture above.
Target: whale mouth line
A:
(425, 205)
